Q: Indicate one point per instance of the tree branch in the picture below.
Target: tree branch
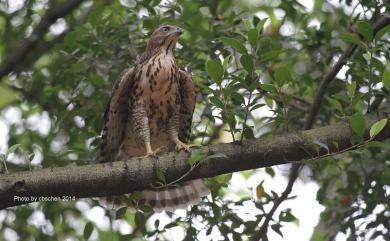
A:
(39, 31)
(117, 178)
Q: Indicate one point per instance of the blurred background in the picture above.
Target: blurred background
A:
(257, 66)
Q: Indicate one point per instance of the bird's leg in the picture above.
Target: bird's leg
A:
(173, 132)
(141, 127)
(149, 151)
(181, 145)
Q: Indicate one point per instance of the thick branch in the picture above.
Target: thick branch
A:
(139, 173)
(39, 31)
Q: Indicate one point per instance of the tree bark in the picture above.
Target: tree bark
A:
(122, 177)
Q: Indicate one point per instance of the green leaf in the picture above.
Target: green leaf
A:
(120, 213)
(224, 178)
(351, 89)
(260, 191)
(336, 104)
(386, 79)
(226, 62)
(252, 36)
(269, 88)
(145, 208)
(170, 225)
(217, 102)
(248, 133)
(71, 38)
(94, 18)
(377, 127)
(269, 102)
(377, 64)
(215, 70)
(237, 98)
(236, 236)
(270, 171)
(156, 223)
(88, 230)
(382, 32)
(271, 54)
(352, 38)
(196, 158)
(256, 106)
(286, 217)
(235, 44)
(367, 57)
(31, 156)
(260, 25)
(281, 75)
(215, 155)
(140, 220)
(286, 99)
(358, 123)
(247, 23)
(12, 149)
(276, 228)
(7, 95)
(160, 176)
(365, 29)
(376, 144)
(247, 62)
(136, 196)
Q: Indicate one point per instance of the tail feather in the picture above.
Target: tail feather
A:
(169, 199)
(194, 196)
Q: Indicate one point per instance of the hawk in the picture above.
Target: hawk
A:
(150, 110)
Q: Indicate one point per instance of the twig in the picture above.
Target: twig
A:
(263, 229)
(246, 116)
(297, 98)
(178, 179)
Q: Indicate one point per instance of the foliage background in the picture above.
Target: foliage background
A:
(252, 81)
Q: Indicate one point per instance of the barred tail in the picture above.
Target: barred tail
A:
(172, 198)
(166, 199)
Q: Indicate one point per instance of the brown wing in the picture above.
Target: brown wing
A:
(116, 114)
(187, 105)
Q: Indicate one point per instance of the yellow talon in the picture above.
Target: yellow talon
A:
(150, 152)
(180, 145)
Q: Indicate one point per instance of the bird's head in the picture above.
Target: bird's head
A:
(165, 37)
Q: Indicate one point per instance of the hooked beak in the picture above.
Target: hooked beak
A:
(179, 31)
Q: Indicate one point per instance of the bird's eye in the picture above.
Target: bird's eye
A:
(165, 29)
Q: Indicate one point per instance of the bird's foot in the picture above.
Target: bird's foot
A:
(151, 152)
(180, 145)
